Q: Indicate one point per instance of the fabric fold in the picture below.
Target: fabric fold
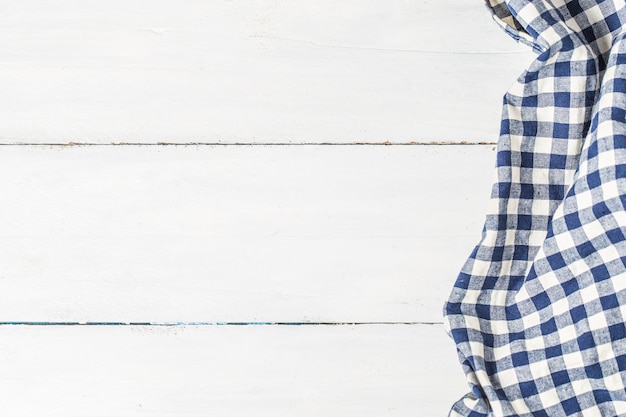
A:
(537, 311)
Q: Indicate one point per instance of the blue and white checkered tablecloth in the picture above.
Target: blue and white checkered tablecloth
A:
(538, 310)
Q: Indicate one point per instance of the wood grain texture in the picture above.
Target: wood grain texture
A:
(221, 371)
(237, 233)
(224, 71)
(240, 234)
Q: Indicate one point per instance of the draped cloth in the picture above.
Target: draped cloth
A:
(538, 310)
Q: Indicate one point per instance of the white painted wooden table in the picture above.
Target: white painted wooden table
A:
(232, 208)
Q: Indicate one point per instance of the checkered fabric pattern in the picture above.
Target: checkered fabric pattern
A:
(538, 311)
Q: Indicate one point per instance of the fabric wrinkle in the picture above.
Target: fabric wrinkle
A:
(537, 311)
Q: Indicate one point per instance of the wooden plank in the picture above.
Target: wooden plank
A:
(306, 371)
(237, 233)
(252, 72)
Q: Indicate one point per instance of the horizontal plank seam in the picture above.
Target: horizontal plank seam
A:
(215, 323)
(384, 143)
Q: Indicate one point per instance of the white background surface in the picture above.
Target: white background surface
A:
(286, 190)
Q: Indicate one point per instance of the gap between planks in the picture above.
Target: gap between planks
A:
(215, 323)
(383, 143)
